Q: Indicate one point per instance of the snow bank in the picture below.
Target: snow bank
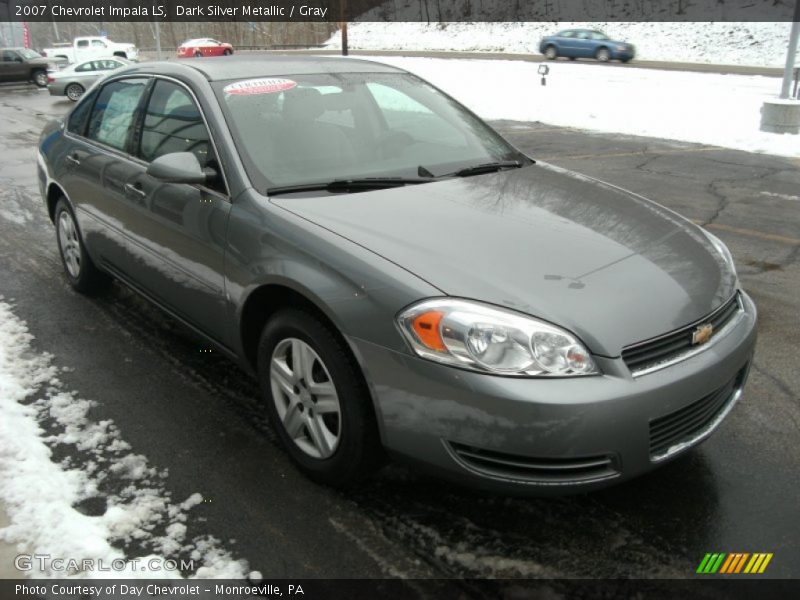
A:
(706, 108)
(756, 44)
(40, 496)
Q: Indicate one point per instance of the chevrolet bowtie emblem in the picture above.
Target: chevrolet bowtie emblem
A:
(702, 334)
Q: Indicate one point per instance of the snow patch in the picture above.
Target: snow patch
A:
(722, 43)
(705, 108)
(40, 495)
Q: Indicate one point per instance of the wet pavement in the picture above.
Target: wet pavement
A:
(199, 416)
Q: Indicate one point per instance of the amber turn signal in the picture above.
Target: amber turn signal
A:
(426, 326)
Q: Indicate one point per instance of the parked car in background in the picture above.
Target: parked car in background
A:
(24, 64)
(585, 43)
(204, 47)
(73, 81)
(84, 48)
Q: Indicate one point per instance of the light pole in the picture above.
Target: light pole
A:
(343, 23)
(158, 39)
(791, 52)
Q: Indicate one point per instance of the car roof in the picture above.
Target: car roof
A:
(247, 66)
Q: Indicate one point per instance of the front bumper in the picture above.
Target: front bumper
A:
(543, 436)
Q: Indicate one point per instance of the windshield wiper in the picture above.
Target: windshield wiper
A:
(486, 168)
(347, 185)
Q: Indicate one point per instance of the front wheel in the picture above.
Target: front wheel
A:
(550, 53)
(603, 55)
(74, 91)
(198, 54)
(40, 78)
(316, 399)
(81, 273)
(227, 52)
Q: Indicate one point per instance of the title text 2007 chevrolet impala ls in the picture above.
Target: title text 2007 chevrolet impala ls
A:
(397, 275)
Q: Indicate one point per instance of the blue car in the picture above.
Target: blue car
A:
(585, 43)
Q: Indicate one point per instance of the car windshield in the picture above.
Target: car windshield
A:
(27, 53)
(296, 130)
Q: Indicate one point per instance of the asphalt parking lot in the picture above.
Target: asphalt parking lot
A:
(197, 415)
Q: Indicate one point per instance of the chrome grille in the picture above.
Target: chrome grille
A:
(645, 355)
(535, 470)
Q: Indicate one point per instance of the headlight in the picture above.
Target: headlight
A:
(722, 249)
(483, 338)
(622, 47)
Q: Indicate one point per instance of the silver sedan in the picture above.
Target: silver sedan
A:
(74, 80)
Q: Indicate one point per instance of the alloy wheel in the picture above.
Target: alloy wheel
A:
(40, 78)
(69, 244)
(305, 398)
(74, 92)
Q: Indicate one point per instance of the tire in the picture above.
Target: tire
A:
(227, 52)
(121, 55)
(572, 58)
(340, 446)
(198, 54)
(603, 55)
(551, 52)
(74, 91)
(625, 60)
(81, 272)
(39, 77)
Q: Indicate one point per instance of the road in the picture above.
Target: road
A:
(197, 415)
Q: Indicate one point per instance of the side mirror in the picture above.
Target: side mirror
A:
(178, 167)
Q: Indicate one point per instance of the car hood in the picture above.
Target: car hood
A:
(607, 264)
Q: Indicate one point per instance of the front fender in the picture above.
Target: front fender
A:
(359, 291)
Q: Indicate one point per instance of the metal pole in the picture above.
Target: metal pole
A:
(158, 40)
(791, 52)
(343, 23)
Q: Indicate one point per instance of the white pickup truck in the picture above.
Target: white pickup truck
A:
(84, 48)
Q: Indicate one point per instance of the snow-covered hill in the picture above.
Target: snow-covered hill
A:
(757, 44)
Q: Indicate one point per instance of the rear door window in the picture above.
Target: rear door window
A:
(76, 122)
(112, 118)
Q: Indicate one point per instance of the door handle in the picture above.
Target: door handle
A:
(135, 189)
(73, 158)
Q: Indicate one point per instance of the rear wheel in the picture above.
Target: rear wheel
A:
(198, 54)
(550, 53)
(74, 91)
(316, 399)
(81, 273)
(39, 78)
(603, 55)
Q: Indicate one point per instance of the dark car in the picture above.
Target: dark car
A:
(585, 43)
(398, 276)
(24, 64)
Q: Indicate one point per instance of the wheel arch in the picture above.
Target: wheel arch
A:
(54, 193)
(268, 298)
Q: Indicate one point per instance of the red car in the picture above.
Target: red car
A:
(204, 47)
